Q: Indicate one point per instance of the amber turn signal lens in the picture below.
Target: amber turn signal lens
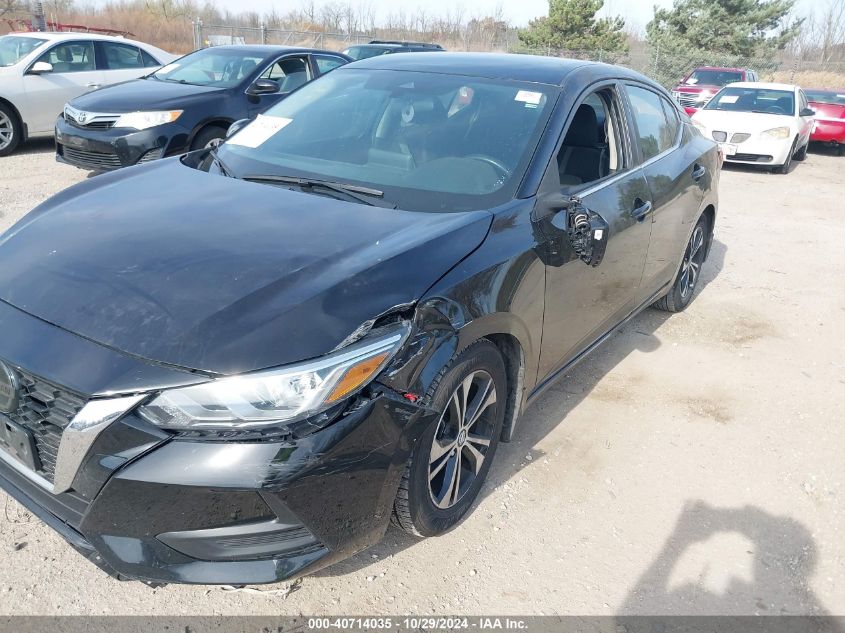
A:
(356, 376)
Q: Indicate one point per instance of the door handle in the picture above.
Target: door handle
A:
(641, 212)
(698, 172)
(92, 85)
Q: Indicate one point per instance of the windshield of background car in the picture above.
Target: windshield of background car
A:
(430, 142)
(760, 100)
(14, 48)
(219, 67)
(833, 98)
(363, 52)
(713, 78)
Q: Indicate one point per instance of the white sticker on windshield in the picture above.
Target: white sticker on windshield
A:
(729, 99)
(168, 68)
(259, 131)
(526, 96)
(841, 96)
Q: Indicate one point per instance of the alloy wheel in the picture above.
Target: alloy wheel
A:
(7, 130)
(691, 266)
(462, 439)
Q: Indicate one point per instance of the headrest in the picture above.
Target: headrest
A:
(584, 130)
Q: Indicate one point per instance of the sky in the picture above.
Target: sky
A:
(637, 13)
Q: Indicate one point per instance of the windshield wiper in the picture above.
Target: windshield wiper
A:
(356, 193)
(220, 164)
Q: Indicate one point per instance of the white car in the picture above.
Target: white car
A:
(758, 123)
(40, 72)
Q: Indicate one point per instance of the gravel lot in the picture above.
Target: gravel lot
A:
(693, 465)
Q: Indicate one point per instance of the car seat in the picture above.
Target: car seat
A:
(583, 156)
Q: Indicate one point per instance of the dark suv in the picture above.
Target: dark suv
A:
(383, 47)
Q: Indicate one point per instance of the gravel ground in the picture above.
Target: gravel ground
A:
(693, 465)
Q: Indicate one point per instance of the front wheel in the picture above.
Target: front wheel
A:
(208, 137)
(686, 281)
(784, 169)
(10, 130)
(452, 457)
(802, 153)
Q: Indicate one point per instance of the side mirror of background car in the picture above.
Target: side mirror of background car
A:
(264, 87)
(807, 112)
(39, 68)
(236, 126)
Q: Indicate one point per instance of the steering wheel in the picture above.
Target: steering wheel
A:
(504, 172)
(775, 110)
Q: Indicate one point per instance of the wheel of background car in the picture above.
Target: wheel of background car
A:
(10, 130)
(784, 169)
(503, 171)
(687, 280)
(452, 457)
(208, 137)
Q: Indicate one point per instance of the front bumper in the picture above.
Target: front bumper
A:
(759, 150)
(113, 148)
(151, 506)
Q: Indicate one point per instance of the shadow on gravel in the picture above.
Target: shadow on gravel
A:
(549, 411)
(730, 561)
(36, 146)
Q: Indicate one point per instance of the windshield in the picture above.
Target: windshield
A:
(825, 96)
(14, 48)
(431, 142)
(761, 100)
(713, 77)
(363, 52)
(219, 67)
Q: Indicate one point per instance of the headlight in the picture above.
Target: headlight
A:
(143, 120)
(778, 132)
(277, 396)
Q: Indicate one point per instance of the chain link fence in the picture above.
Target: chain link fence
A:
(666, 67)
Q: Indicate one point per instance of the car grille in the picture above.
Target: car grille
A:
(740, 137)
(689, 99)
(94, 160)
(45, 410)
(757, 158)
(93, 125)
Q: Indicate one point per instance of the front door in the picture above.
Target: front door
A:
(595, 163)
(74, 73)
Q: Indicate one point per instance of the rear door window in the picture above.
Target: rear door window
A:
(657, 131)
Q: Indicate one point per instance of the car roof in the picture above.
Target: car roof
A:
(269, 49)
(762, 84)
(530, 68)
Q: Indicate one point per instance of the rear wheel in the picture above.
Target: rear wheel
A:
(452, 457)
(842, 149)
(686, 281)
(11, 130)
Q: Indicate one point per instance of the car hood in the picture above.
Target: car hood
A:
(201, 271)
(748, 122)
(142, 94)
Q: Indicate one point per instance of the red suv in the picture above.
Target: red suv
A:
(697, 88)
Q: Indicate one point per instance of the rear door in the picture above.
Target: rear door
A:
(122, 62)
(677, 179)
(595, 162)
(74, 73)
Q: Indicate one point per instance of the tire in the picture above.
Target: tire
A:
(11, 130)
(842, 150)
(686, 281)
(429, 505)
(208, 136)
(802, 153)
(784, 169)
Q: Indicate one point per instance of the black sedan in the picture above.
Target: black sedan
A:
(188, 104)
(237, 365)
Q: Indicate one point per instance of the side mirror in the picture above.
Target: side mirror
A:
(568, 220)
(264, 87)
(39, 68)
(236, 127)
(807, 112)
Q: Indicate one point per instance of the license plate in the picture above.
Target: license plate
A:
(728, 148)
(19, 443)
